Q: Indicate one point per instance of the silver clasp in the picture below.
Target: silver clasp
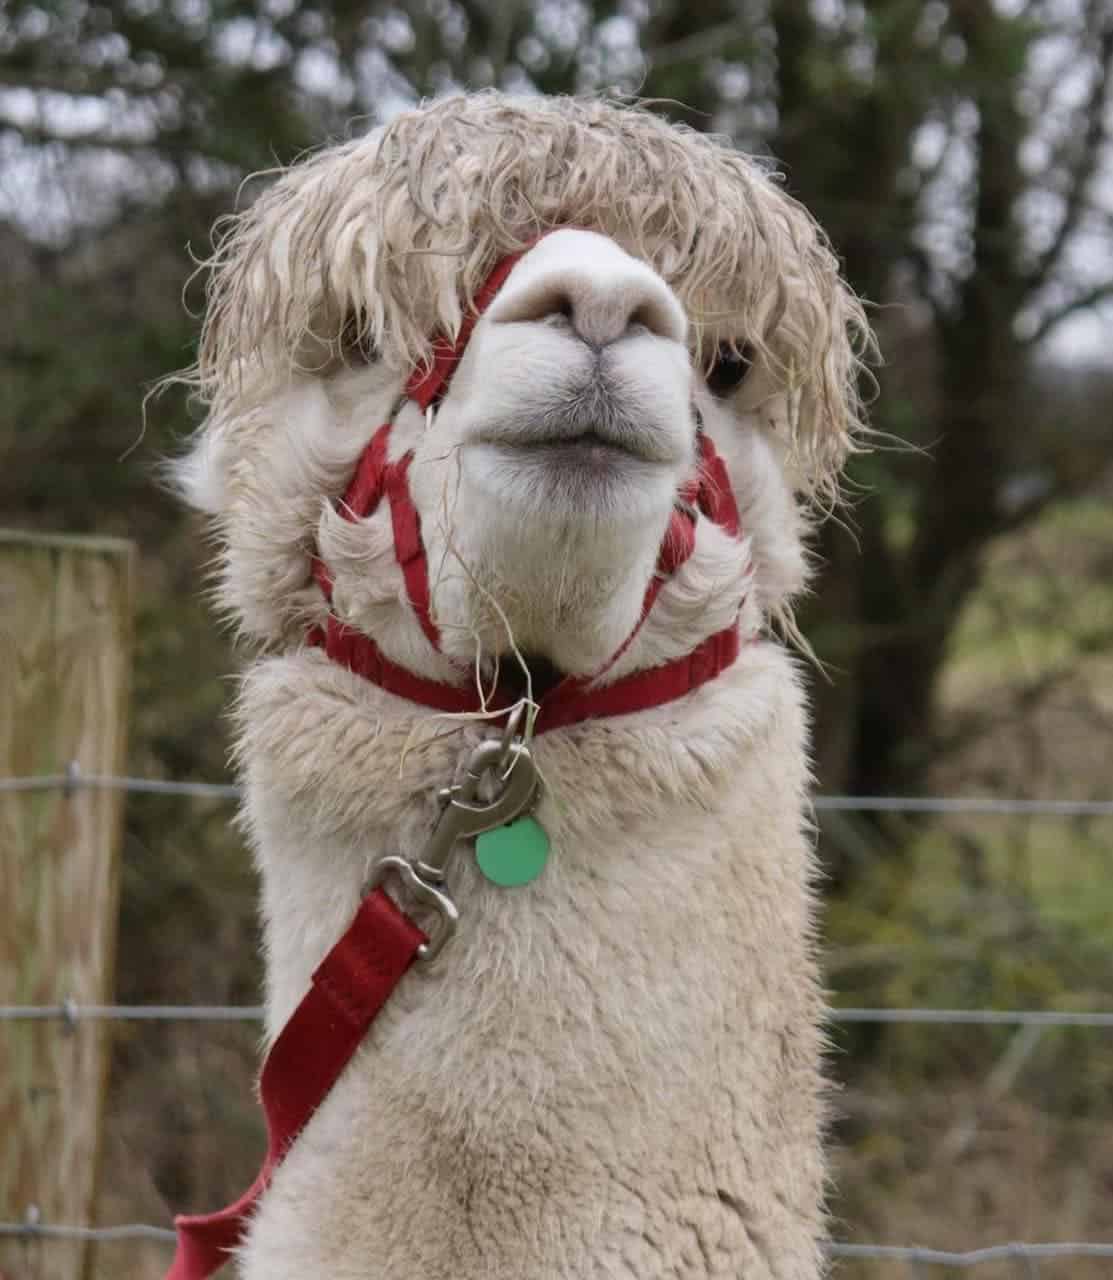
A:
(464, 814)
(425, 895)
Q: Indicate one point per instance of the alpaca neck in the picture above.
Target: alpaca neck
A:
(339, 774)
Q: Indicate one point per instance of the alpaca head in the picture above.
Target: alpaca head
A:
(665, 286)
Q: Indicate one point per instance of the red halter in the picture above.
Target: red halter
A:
(574, 698)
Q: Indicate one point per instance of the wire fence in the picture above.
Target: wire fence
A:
(1031, 1254)
(75, 780)
(71, 1013)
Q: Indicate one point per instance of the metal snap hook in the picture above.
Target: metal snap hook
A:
(464, 814)
(425, 895)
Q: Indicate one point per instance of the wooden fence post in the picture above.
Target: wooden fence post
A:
(65, 655)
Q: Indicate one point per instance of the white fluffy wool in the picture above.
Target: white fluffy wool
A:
(614, 1071)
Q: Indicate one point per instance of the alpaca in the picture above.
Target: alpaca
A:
(613, 1070)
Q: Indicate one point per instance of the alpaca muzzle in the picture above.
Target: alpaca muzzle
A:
(574, 698)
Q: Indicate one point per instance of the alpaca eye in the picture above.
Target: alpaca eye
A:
(729, 370)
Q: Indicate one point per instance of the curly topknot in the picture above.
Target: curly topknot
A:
(394, 233)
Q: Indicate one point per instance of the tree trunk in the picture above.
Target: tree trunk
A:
(875, 726)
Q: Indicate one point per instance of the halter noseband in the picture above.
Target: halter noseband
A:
(574, 698)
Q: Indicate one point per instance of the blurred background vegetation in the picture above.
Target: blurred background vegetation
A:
(958, 154)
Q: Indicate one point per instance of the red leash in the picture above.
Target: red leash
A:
(349, 988)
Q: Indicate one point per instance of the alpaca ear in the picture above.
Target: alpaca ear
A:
(200, 477)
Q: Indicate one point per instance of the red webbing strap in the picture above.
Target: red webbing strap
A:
(677, 545)
(360, 498)
(574, 700)
(374, 475)
(427, 384)
(712, 494)
(349, 988)
(363, 657)
(716, 497)
(570, 702)
(366, 485)
(409, 550)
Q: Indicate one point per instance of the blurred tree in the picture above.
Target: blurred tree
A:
(953, 150)
(956, 179)
(954, 154)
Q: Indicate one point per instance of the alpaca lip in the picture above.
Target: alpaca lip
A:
(589, 444)
(576, 449)
(583, 419)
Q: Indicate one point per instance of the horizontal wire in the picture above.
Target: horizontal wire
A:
(899, 1253)
(71, 1012)
(52, 1231)
(977, 1017)
(971, 1258)
(75, 780)
(965, 804)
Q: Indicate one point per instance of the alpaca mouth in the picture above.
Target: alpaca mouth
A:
(585, 421)
(582, 467)
(587, 447)
(577, 437)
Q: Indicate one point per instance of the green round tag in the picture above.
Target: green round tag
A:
(514, 854)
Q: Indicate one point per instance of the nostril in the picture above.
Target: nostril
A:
(600, 307)
(653, 319)
(604, 316)
(539, 303)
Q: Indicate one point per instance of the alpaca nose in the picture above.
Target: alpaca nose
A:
(602, 292)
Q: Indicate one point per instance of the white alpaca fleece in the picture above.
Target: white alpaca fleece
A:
(613, 1071)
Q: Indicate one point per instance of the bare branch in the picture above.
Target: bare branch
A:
(925, 272)
(500, 50)
(76, 82)
(1087, 155)
(693, 48)
(1080, 302)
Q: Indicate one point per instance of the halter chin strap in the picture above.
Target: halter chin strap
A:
(574, 698)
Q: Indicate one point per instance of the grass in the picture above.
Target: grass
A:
(963, 1136)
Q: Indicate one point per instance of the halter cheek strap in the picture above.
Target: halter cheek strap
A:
(573, 699)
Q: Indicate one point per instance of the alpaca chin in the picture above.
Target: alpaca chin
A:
(563, 587)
